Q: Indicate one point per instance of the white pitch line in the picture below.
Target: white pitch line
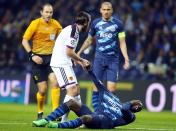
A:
(13, 123)
(149, 129)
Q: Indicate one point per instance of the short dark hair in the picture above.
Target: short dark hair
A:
(82, 18)
(43, 6)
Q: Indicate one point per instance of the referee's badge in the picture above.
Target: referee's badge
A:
(52, 36)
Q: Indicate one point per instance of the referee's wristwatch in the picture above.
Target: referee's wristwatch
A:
(30, 55)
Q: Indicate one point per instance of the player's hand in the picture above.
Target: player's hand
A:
(74, 63)
(126, 66)
(37, 59)
(79, 54)
(84, 63)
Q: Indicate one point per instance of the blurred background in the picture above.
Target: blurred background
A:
(150, 27)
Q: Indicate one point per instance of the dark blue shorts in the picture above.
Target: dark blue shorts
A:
(99, 120)
(106, 70)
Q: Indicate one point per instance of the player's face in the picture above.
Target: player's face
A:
(106, 11)
(47, 13)
(136, 106)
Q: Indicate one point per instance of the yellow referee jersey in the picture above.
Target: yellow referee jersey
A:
(43, 35)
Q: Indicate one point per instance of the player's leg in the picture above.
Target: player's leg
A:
(55, 91)
(40, 79)
(67, 80)
(41, 96)
(69, 124)
(72, 93)
(112, 75)
(58, 112)
(64, 108)
(73, 90)
(73, 105)
(82, 111)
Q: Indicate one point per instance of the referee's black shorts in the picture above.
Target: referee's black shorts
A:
(40, 72)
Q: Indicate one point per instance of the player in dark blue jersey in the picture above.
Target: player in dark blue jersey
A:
(110, 37)
(108, 113)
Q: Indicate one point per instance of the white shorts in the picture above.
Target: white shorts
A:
(65, 76)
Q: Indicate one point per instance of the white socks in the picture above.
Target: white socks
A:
(67, 98)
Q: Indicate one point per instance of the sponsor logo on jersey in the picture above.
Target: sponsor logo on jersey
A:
(105, 34)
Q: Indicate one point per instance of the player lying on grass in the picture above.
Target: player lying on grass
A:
(108, 113)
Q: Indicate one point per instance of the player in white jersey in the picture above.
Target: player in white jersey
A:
(64, 51)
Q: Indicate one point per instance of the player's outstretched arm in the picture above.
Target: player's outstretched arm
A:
(98, 84)
(123, 49)
(86, 44)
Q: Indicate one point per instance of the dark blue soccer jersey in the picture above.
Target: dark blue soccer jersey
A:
(106, 33)
(109, 105)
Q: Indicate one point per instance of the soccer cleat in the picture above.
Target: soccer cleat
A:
(52, 125)
(40, 115)
(40, 123)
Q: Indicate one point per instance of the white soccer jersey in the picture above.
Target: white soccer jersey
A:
(68, 38)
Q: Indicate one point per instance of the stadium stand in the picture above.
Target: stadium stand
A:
(150, 26)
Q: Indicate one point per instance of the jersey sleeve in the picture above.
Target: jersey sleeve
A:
(30, 30)
(121, 32)
(92, 29)
(72, 43)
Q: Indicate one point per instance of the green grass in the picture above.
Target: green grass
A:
(15, 117)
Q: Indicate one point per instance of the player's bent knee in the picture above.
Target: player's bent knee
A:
(73, 105)
(86, 118)
(72, 90)
(42, 93)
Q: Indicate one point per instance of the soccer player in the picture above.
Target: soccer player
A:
(43, 32)
(110, 36)
(108, 113)
(64, 51)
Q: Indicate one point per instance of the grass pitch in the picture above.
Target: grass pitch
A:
(14, 117)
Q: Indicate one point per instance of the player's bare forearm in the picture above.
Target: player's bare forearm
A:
(73, 55)
(123, 49)
(26, 45)
(86, 44)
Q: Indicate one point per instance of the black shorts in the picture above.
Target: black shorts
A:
(40, 72)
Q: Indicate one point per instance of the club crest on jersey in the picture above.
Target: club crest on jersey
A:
(73, 42)
(70, 78)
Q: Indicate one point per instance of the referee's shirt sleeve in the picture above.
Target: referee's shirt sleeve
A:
(30, 31)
